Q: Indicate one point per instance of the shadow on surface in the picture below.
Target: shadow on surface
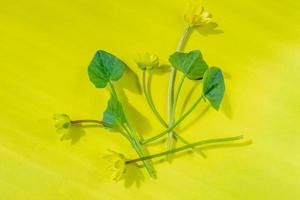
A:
(74, 134)
(136, 118)
(129, 81)
(184, 107)
(226, 107)
(188, 97)
(77, 131)
(209, 29)
(133, 176)
(162, 69)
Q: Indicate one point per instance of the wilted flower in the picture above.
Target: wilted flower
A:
(62, 122)
(196, 15)
(117, 165)
(147, 61)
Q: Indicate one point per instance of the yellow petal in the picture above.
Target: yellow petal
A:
(197, 16)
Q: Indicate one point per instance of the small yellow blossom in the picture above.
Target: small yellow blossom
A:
(197, 16)
(117, 165)
(147, 61)
(62, 122)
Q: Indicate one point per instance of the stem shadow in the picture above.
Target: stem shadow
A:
(226, 107)
(193, 121)
(134, 176)
(188, 97)
(206, 148)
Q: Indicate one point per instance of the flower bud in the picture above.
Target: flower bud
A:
(147, 61)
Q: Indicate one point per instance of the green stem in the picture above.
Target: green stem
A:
(169, 143)
(183, 39)
(155, 111)
(195, 150)
(150, 100)
(113, 90)
(196, 144)
(135, 142)
(174, 124)
(177, 94)
(101, 123)
(73, 122)
(171, 116)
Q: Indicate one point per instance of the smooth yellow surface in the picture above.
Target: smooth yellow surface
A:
(45, 47)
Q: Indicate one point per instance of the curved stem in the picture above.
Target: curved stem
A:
(169, 143)
(196, 144)
(174, 124)
(150, 100)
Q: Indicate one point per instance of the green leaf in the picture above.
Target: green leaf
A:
(213, 86)
(191, 64)
(114, 114)
(105, 67)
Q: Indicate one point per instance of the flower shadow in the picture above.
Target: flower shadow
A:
(74, 134)
(133, 176)
(162, 69)
(209, 29)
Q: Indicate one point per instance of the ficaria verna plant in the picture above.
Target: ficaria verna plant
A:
(105, 69)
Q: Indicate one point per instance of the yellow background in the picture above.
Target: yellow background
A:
(45, 47)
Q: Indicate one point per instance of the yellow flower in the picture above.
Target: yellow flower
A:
(147, 61)
(196, 15)
(117, 165)
(62, 122)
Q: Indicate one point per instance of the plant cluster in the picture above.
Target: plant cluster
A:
(105, 69)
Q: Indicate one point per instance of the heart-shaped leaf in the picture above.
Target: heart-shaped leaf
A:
(213, 86)
(105, 67)
(114, 114)
(191, 64)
